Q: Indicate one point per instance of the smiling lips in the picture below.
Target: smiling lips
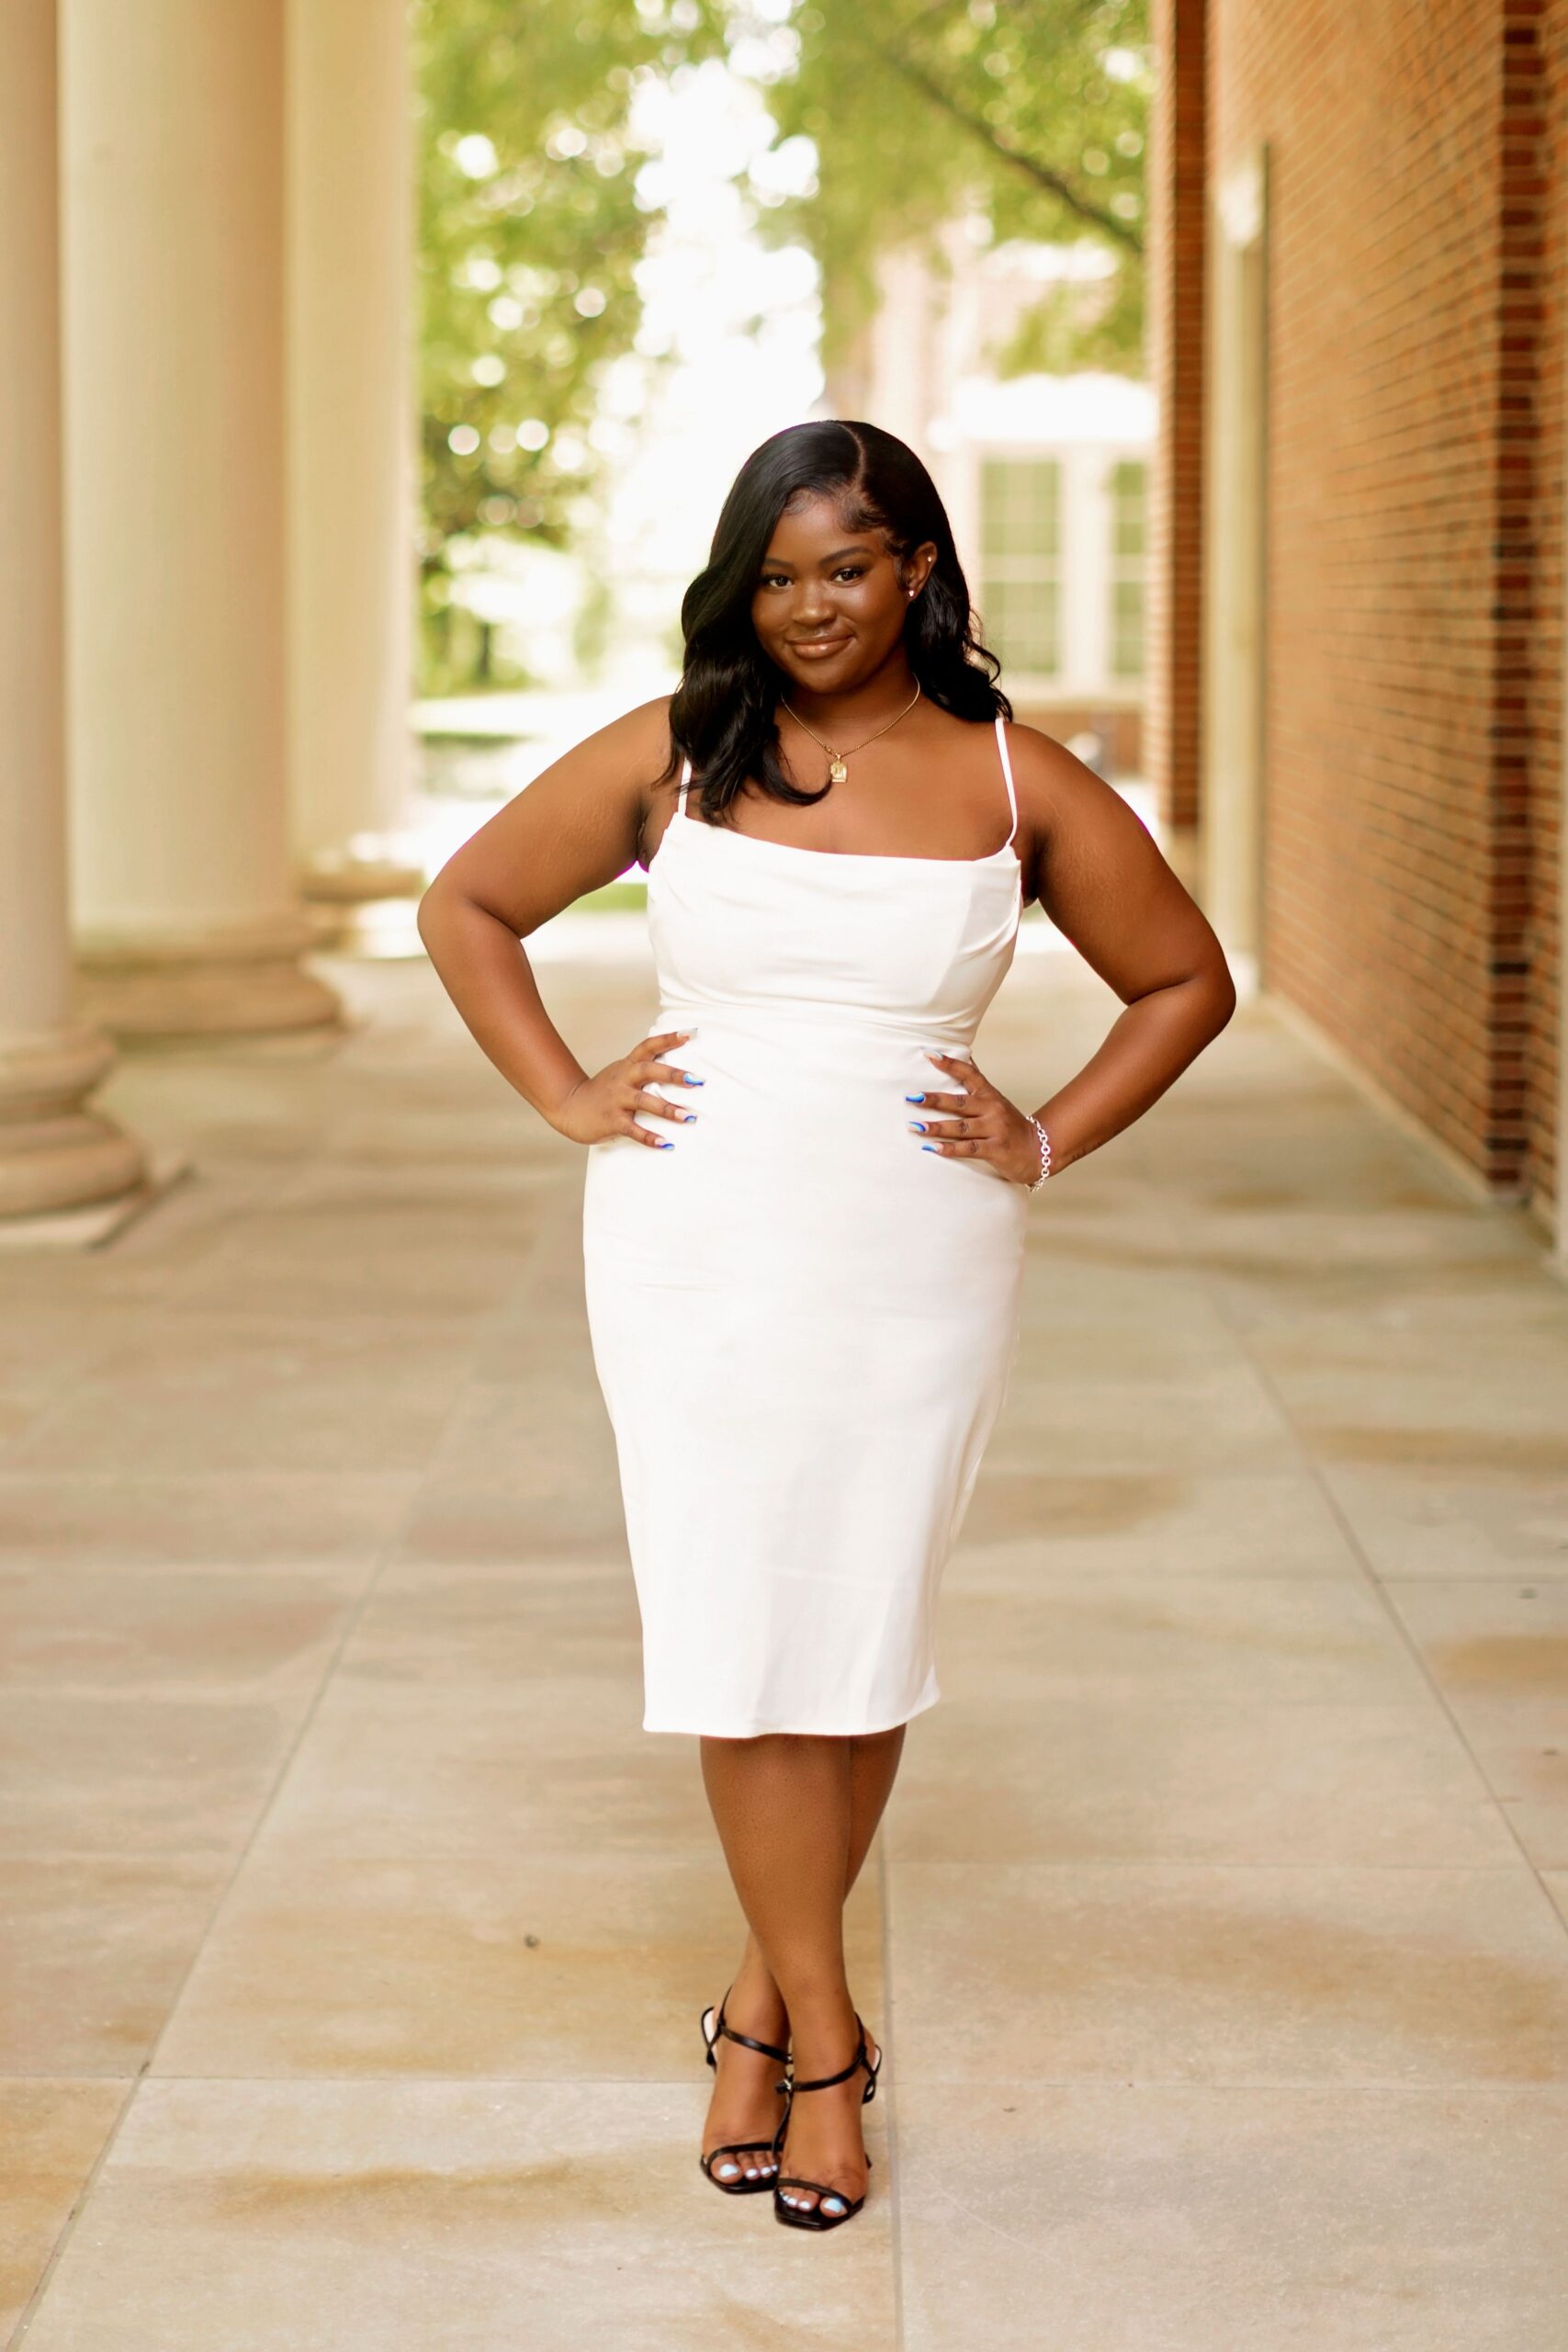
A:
(814, 648)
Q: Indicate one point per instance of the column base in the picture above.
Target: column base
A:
(54, 1153)
(349, 878)
(242, 981)
(361, 902)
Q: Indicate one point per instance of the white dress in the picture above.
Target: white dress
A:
(802, 1322)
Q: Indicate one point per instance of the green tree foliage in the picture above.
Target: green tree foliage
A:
(1032, 114)
(529, 233)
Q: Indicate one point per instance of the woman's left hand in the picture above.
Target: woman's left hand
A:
(978, 1124)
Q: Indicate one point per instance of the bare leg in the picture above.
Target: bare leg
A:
(745, 2105)
(874, 1767)
(796, 1816)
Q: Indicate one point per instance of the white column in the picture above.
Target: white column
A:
(187, 913)
(54, 1153)
(351, 445)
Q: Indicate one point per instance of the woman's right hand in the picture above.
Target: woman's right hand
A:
(603, 1106)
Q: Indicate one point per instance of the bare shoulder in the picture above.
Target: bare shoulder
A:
(638, 742)
(1052, 781)
(1071, 822)
(609, 775)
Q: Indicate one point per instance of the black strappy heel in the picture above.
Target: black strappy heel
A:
(797, 2217)
(740, 2186)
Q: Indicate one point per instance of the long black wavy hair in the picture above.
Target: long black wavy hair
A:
(721, 715)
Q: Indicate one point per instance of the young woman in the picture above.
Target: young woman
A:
(802, 1331)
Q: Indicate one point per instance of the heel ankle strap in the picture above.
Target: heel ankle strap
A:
(827, 2082)
(765, 2048)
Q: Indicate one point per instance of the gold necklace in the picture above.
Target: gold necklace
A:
(837, 771)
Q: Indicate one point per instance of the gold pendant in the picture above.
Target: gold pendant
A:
(837, 772)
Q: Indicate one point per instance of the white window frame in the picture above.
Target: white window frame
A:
(1124, 571)
(1026, 571)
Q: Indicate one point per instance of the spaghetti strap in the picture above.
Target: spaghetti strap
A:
(685, 780)
(1006, 772)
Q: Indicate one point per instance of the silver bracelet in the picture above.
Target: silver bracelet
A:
(1045, 1153)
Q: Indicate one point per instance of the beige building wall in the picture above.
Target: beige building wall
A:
(925, 370)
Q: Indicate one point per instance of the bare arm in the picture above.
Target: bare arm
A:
(1102, 881)
(576, 827)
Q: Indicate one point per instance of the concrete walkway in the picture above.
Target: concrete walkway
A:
(357, 1933)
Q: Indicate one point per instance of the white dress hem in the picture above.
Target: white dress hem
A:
(794, 1730)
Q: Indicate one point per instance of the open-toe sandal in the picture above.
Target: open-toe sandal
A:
(713, 2026)
(813, 2217)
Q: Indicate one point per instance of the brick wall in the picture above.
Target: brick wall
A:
(1544, 942)
(1415, 539)
(1175, 349)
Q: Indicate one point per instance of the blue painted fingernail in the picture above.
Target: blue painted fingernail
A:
(914, 1098)
(687, 1116)
(693, 1081)
(918, 1126)
(928, 1147)
(666, 1144)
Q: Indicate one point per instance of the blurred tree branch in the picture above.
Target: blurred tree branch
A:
(1026, 117)
(1120, 232)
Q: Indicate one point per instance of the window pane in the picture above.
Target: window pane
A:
(1127, 630)
(1127, 500)
(1020, 618)
(1019, 503)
